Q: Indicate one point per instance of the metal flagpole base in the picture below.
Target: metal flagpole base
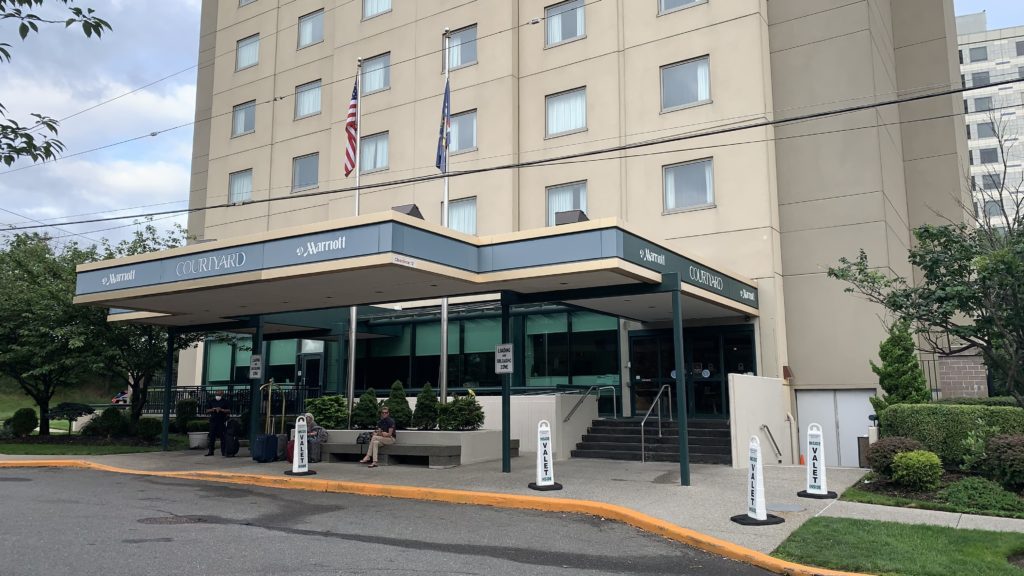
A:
(829, 496)
(744, 520)
(534, 486)
(306, 473)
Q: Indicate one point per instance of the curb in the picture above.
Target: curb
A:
(622, 514)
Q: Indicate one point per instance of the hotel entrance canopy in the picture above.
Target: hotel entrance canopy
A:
(389, 257)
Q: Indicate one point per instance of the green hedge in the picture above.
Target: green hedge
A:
(990, 401)
(942, 428)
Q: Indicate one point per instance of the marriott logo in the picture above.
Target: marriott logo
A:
(117, 277)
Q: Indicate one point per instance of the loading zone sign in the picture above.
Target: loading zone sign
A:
(255, 367)
(503, 359)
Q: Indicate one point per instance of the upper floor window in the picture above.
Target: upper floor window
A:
(243, 118)
(311, 29)
(1020, 72)
(462, 215)
(244, 2)
(373, 153)
(986, 130)
(689, 185)
(685, 83)
(1020, 48)
(462, 47)
(377, 73)
(565, 197)
(980, 79)
(983, 104)
(463, 132)
(240, 186)
(672, 5)
(979, 54)
(564, 22)
(307, 99)
(305, 172)
(993, 209)
(373, 8)
(566, 112)
(247, 52)
(988, 155)
(991, 181)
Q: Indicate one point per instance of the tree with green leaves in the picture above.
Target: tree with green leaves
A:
(900, 374)
(398, 405)
(38, 140)
(366, 412)
(425, 416)
(70, 411)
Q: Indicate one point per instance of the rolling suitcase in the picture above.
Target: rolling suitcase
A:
(229, 443)
(265, 449)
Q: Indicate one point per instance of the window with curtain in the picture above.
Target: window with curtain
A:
(373, 153)
(986, 130)
(461, 48)
(988, 155)
(243, 118)
(307, 99)
(979, 54)
(305, 172)
(564, 22)
(983, 104)
(479, 338)
(463, 132)
(240, 186)
(311, 29)
(373, 8)
(980, 79)
(689, 185)
(566, 112)
(670, 5)
(566, 197)
(218, 361)
(247, 52)
(376, 73)
(462, 215)
(685, 83)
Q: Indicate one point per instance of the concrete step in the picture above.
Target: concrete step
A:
(654, 439)
(651, 456)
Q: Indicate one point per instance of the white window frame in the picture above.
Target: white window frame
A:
(375, 14)
(461, 64)
(662, 10)
(298, 32)
(452, 151)
(664, 187)
(362, 141)
(586, 119)
(234, 117)
(579, 202)
(232, 176)
(462, 201)
(387, 73)
(238, 45)
(661, 84)
(581, 33)
(301, 88)
(312, 186)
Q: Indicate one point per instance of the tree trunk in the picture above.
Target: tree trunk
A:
(140, 396)
(44, 419)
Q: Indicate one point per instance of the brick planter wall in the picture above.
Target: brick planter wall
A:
(963, 377)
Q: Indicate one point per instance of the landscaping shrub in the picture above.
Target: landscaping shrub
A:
(881, 453)
(1005, 461)
(975, 446)
(942, 428)
(900, 374)
(148, 429)
(184, 411)
(399, 406)
(198, 426)
(919, 470)
(366, 413)
(462, 413)
(331, 412)
(1009, 401)
(425, 416)
(70, 411)
(979, 495)
(109, 424)
(23, 422)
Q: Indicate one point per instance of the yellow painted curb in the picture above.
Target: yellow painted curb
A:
(610, 511)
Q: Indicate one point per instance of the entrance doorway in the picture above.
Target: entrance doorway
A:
(709, 355)
(310, 370)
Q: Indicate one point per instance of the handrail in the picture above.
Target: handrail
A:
(615, 403)
(656, 402)
(775, 445)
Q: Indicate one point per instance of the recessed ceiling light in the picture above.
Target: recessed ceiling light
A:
(564, 283)
(433, 285)
(651, 307)
(378, 291)
(628, 300)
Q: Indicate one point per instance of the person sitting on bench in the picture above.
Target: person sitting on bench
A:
(384, 434)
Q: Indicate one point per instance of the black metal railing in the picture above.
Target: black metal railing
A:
(293, 399)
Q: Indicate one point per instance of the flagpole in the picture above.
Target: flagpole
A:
(353, 311)
(443, 376)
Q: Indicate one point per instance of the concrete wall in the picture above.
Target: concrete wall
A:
(756, 401)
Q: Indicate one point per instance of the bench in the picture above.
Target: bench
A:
(435, 455)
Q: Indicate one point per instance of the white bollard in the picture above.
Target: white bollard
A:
(545, 461)
(817, 486)
(757, 512)
(300, 452)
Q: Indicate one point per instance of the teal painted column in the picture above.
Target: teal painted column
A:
(255, 417)
(168, 376)
(506, 389)
(677, 349)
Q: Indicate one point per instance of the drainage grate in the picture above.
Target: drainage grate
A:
(164, 520)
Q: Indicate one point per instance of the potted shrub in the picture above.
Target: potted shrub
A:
(399, 406)
(185, 411)
(198, 430)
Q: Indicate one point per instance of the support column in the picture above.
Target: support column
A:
(255, 416)
(168, 376)
(677, 348)
(506, 389)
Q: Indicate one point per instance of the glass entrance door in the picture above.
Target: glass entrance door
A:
(651, 365)
(311, 366)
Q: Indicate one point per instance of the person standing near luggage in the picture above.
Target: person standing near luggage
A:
(219, 409)
(384, 434)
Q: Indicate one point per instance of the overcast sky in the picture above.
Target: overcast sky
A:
(61, 72)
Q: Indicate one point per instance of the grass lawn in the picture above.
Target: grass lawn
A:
(889, 548)
(13, 398)
(886, 494)
(85, 449)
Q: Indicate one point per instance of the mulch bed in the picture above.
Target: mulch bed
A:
(886, 487)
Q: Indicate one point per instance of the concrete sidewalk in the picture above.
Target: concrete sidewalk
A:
(914, 516)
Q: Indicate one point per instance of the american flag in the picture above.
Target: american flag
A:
(351, 130)
(446, 126)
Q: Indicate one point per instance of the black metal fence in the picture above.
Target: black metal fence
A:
(293, 399)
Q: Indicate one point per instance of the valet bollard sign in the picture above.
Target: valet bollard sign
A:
(817, 485)
(545, 464)
(757, 511)
(300, 453)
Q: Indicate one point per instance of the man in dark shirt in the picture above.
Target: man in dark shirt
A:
(384, 434)
(219, 409)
